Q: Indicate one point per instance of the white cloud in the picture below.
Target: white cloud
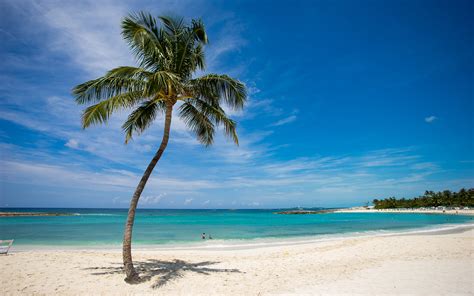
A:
(36, 173)
(75, 31)
(265, 106)
(120, 201)
(22, 118)
(229, 39)
(343, 174)
(249, 150)
(263, 180)
(430, 119)
(285, 120)
(388, 157)
(426, 166)
(151, 199)
(72, 143)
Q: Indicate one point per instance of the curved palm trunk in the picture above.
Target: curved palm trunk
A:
(132, 275)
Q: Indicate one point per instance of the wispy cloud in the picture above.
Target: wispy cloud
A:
(71, 176)
(430, 119)
(75, 31)
(229, 39)
(285, 120)
(261, 180)
(152, 199)
(386, 169)
(389, 157)
(72, 143)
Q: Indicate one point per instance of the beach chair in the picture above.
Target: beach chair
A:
(5, 246)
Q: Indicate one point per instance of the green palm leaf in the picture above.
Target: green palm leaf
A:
(164, 82)
(100, 112)
(147, 41)
(232, 91)
(216, 114)
(198, 122)
(105, 87)
(142, 117)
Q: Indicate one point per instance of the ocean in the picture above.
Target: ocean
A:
(104, 227)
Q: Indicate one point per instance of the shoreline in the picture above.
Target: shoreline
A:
(463, 212)
(255, 243)
(416, 264)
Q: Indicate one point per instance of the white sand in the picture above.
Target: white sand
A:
(465, 212)
(417, 264)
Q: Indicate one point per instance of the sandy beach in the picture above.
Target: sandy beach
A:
(431, 263)
(466, 212)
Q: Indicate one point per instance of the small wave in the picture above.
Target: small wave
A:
(431, 229)
(250, 243)
(94, 214)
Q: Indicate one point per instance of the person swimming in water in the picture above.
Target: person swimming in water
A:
(203, 235)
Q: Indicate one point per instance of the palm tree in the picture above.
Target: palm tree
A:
(168, 54)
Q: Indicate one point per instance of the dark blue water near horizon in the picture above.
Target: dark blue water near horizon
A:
(90, 227)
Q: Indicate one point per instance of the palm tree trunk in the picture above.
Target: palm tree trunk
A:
(132, 275)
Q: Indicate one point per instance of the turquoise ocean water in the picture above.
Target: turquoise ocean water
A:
(104, 227)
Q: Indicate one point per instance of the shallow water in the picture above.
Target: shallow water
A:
(104, 227)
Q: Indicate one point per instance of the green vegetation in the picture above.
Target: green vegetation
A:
(170, 54)
(446, 198)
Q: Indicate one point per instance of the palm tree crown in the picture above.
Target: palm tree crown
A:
(167, 56)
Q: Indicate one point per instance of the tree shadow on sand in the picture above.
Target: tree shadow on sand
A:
(166, 270)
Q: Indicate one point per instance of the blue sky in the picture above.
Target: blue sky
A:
(348, 101)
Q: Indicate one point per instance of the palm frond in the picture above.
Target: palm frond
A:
(142, 117)
(128, 72)
(216, 114)
(163, 81)
(105, 87)
(189, 48)
(100, 112)
(173, 25)
(199, 57)
(200, 124)
(199, 31)
(146, 40)
(232, 91)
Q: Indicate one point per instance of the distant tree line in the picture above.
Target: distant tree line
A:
(446, 198)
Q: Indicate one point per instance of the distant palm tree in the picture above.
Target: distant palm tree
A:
(168, 55)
